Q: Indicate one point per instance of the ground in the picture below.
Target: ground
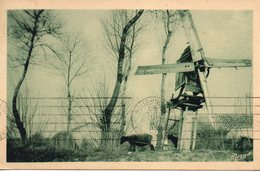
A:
(41, 154)
(46, 152)
(173, 156)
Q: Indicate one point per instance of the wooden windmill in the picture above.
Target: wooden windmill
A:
(191, 77)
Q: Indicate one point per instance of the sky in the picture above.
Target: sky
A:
(223, 34)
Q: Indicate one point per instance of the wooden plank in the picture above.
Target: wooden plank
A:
(204, 85)
(166, 68)
(197, 54)
(222, 63)
(192, 35)
(186, 134)
(192, 105)
(180, 130)
(195, 122)
(192, 88)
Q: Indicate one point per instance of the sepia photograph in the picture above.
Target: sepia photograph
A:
(129, 85)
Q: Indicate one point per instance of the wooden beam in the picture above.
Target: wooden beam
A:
(194, 130)
(197, 55)
(192, 35)
(186, 134)
(222, 63)
(166, 68)
(180, 130)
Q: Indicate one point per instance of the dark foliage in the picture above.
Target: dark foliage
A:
(174, 140)
(40, 151)
(244, 144)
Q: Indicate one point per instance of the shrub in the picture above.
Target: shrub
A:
(64, 140)
(209, 138)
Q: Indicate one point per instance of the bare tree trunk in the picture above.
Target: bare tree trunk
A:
(69, 110)
(127, 72)
(123, 116)
(163, 105)
(123, 103)
(28, 31)
(70, 62)
(16, 113)
(106, 120)
(69, 93)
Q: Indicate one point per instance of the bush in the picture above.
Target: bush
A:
(31, 153)
(64, 140)
(208, 138)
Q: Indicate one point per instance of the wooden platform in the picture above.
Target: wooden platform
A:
(192, 102)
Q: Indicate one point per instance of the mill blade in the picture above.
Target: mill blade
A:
(166, 68)
(227, 63)
(197, 55)
(204, 85)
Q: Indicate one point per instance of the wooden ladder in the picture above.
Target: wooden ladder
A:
(189, 102)
(165, 130)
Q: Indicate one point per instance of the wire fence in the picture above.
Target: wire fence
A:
(48, 116)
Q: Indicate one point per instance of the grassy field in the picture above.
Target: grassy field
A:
(43, 153)
(170, 156)
(40, 149)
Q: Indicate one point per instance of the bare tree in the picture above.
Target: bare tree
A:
(99, 93)
(29, 111)
(113, 33)
(27, 30)
(121, 34)
(170, 23)
(71, 61)
(92, 108)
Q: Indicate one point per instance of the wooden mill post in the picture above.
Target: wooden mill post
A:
(194, 129)
(186, 139)
(186, 133)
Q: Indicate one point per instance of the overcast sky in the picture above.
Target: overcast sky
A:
(223, 34)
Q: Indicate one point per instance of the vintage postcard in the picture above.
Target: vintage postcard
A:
(130, 85)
